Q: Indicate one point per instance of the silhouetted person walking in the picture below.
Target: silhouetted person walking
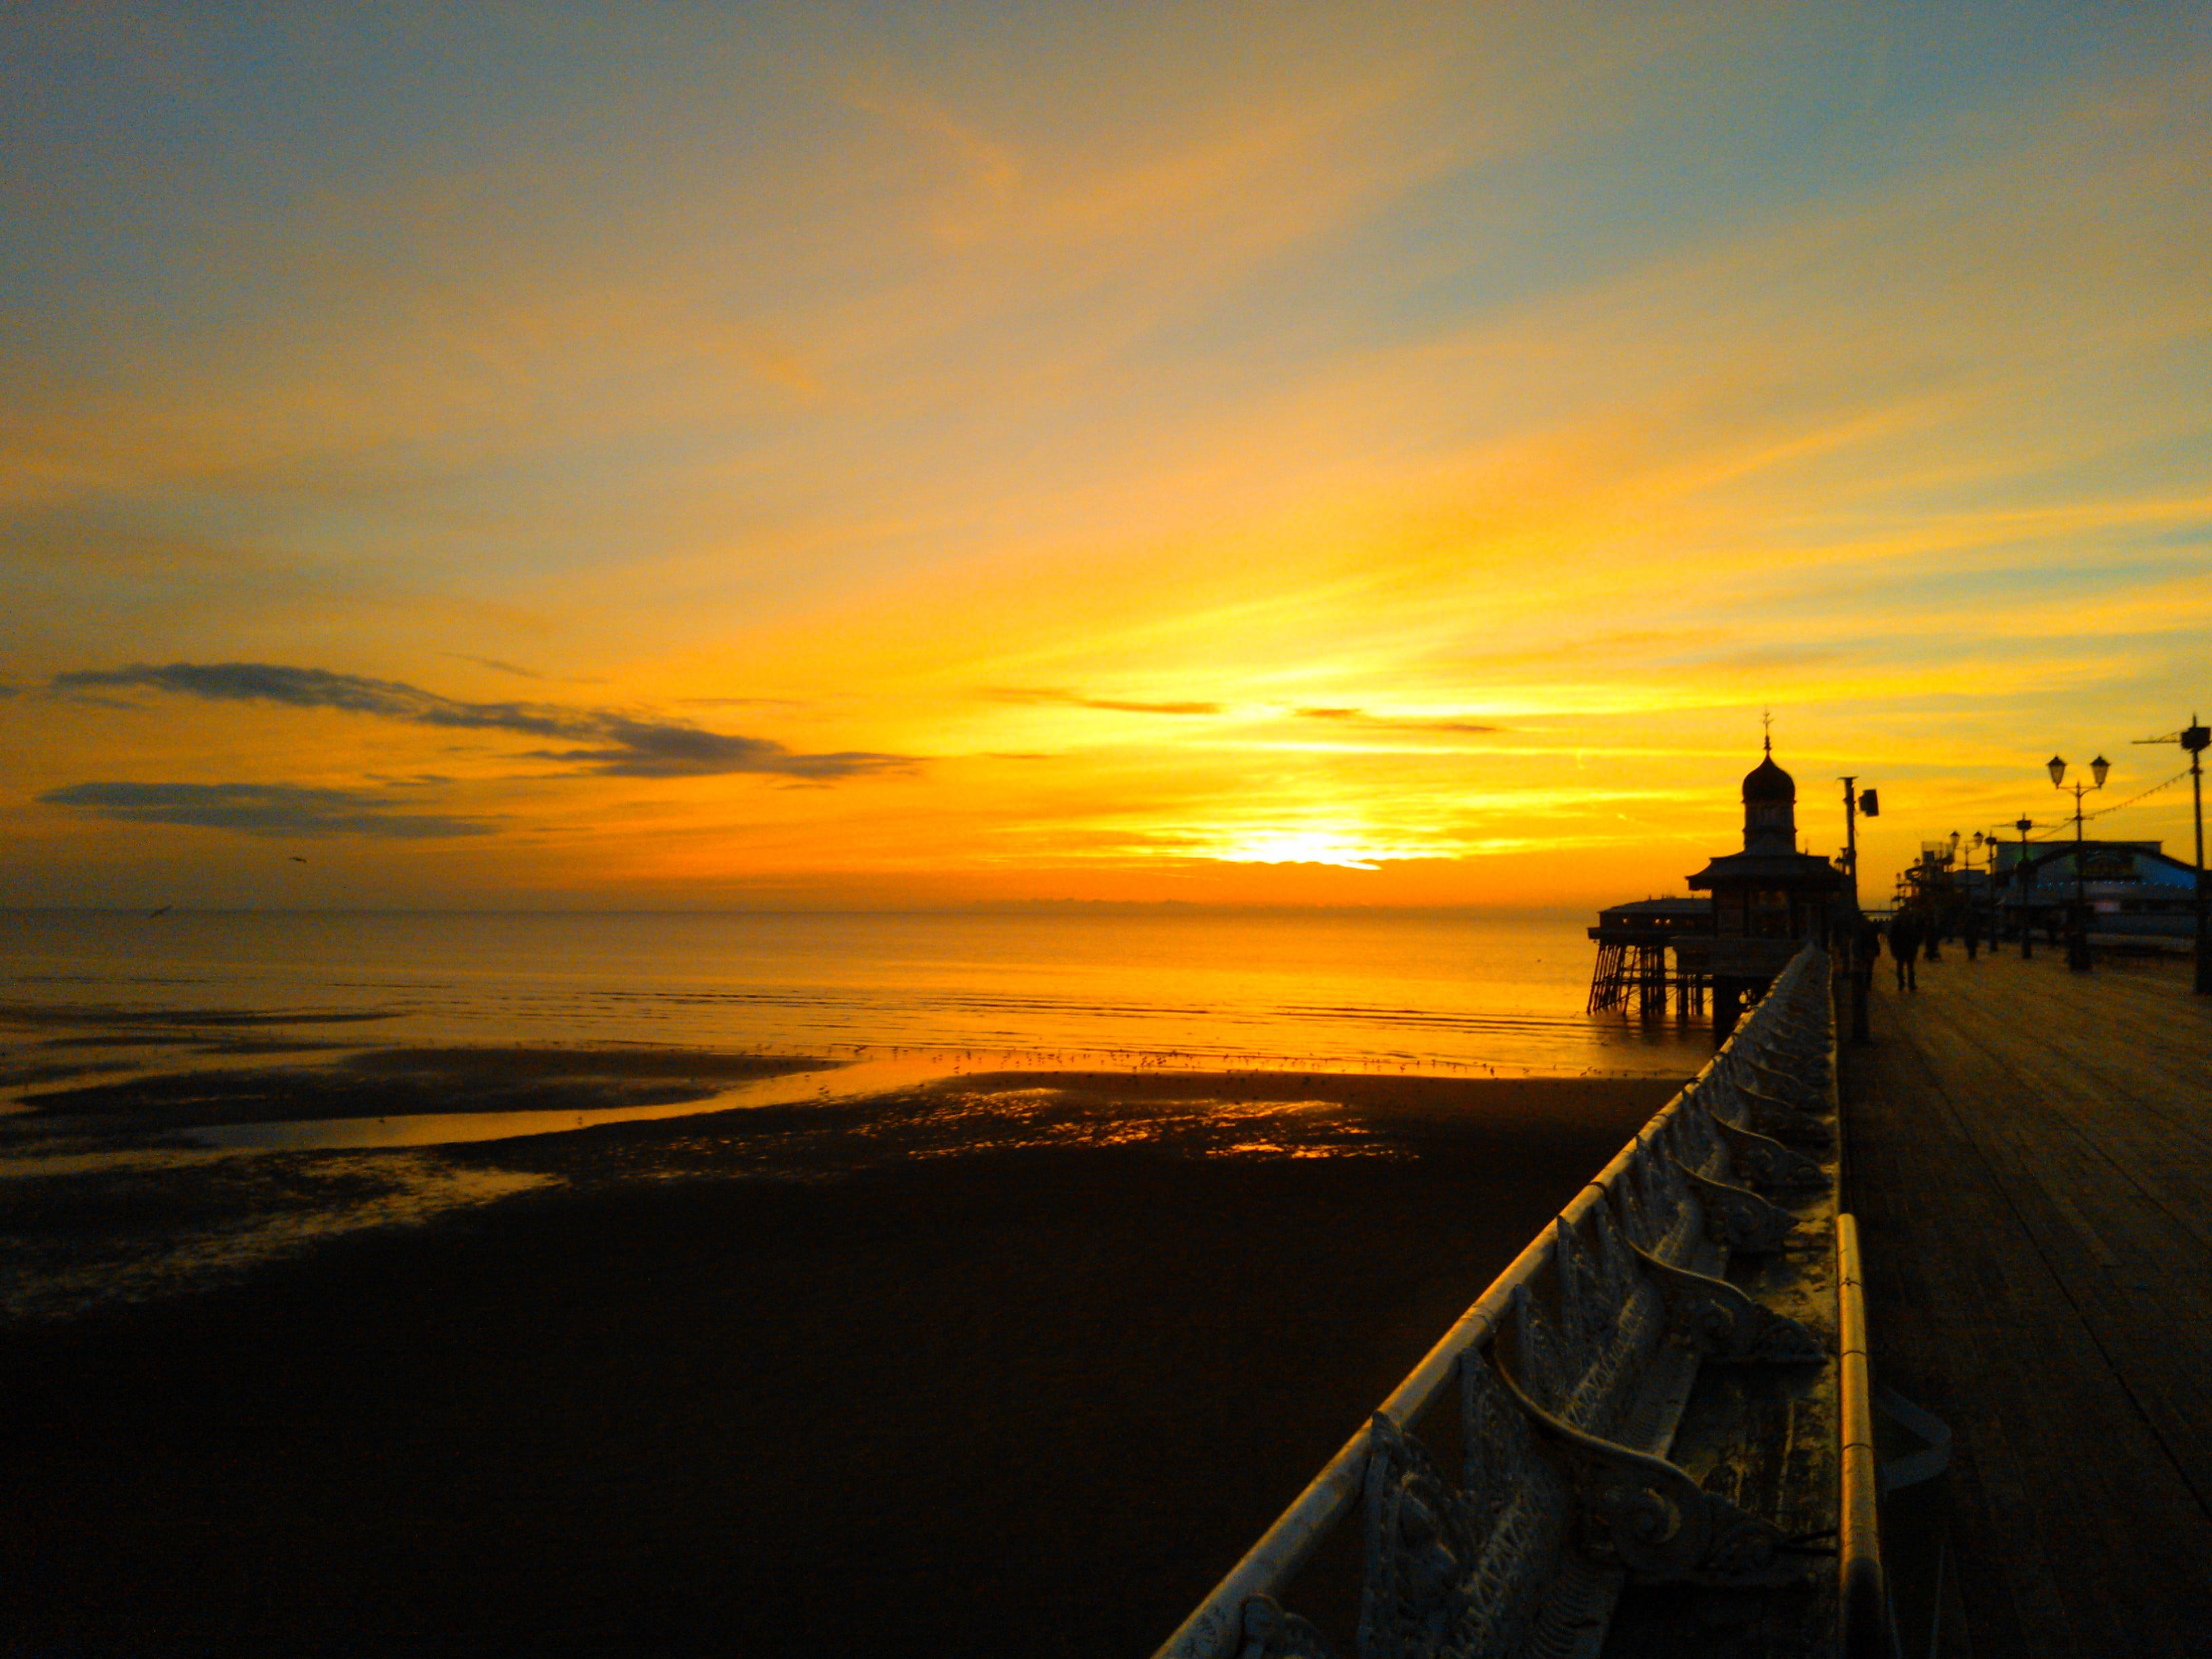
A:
(1866, 947)
(1904, 949)
(1971, 930)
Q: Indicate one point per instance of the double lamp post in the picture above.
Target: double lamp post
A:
(2194, 738)
(2077, 921)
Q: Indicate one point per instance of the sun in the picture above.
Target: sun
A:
(1348, 849)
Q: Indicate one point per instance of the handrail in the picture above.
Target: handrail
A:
(1213, 1630)
(1284, 1547)
(1865, 1599)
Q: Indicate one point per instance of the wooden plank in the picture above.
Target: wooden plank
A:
(2146, 1318)
(2003, 1569)
(2150, 1069)
(2033, 1172)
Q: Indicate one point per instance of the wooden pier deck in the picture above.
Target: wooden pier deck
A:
(2031, 1167)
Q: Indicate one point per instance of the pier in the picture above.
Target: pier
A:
(2027, 1155)
(1935, 1304)
(1653, 1419)
(1633, 965)
(2031, 1164)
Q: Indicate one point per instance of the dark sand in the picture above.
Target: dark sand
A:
(802, 1381)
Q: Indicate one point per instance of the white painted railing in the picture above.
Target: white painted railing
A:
(1573, 1371)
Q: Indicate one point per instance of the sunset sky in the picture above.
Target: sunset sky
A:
(687, 456)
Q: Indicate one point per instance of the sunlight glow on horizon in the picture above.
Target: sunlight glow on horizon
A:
(1273, 457)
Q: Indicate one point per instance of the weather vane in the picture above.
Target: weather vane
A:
(1766, 726)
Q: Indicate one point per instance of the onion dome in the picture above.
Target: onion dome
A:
(1768, 782)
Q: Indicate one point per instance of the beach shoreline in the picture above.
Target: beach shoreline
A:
(924, 1373)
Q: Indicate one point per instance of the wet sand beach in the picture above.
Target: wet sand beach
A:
(217, 1087)
(1017, 1363)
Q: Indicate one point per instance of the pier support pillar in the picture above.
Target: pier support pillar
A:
(1728, 1006)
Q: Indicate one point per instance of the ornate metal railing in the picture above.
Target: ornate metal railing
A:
(1573, 1371)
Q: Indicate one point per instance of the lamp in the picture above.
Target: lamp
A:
(2077, 943)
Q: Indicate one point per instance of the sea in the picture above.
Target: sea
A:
(234, 1011)
(1173, 985)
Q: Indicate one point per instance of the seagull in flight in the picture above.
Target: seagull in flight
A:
(297, 859)
(163, 911)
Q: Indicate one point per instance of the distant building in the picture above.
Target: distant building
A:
(2134, 887)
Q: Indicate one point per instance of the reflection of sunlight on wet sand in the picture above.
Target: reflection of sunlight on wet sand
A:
(445, 1128)
(1002, 1119)
(1201, 1125)
(415, 1189)
(34, 1162)
(871, 1071)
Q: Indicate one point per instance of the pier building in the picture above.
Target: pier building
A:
(1766, 900)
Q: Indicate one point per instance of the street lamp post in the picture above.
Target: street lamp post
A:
(1853, 945)
(1852, 838)
(1987, 846)
(2077, 934)
(2196, 739)
(1996, 912)
(2026, 925)
(1953, 890)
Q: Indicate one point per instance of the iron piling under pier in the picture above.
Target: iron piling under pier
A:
(1634, 972)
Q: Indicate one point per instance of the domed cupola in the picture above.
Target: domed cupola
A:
(1767, 781)
(1770, 808)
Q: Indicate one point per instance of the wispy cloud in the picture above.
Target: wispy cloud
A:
(1361, 718)
(622, 744)
(497, 666)
(1075, 700)
(742, 703)
(263, 809)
